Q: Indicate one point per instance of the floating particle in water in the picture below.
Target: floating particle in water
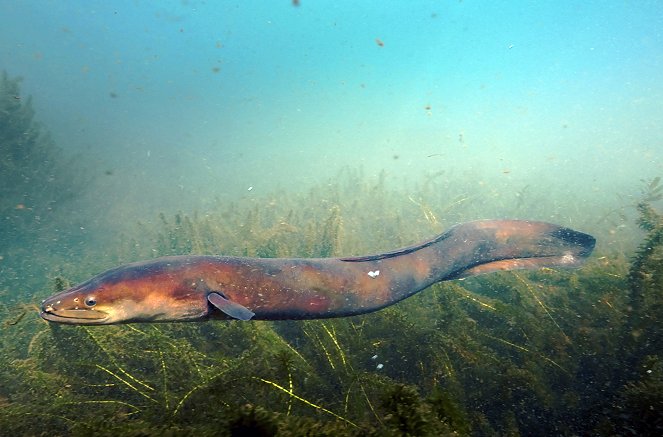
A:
(379, 42)
(374, 357)
(379, 366)
(374, 274)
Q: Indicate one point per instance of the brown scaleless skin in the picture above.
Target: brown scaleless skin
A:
(197, 288)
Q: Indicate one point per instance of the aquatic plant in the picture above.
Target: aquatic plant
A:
(639, 405)
(37, 183)
(646, 284)
(533, 353)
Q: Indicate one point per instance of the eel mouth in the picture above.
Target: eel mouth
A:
(77, 316)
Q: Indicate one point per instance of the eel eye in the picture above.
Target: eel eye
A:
(90, 301)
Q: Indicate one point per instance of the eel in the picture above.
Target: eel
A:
(197, 288)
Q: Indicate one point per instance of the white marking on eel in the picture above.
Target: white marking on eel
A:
(374, 274)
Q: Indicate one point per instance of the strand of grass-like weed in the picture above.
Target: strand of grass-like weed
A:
(127, 383)
(540, 302)
(206, 382)
(317, 339)
(124, 372)
(370, 404)
(309, 403)
(338, 346)
(109, 401)
(290, 386)
(363, 390)
(524, 349)
(165, 380)
(467, 295)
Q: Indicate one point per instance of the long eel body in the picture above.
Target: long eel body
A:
(196, 288)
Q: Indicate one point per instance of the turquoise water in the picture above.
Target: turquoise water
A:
(263, 117)
(239, 94)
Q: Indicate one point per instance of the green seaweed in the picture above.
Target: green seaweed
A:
(549, 352)
(641, 401)
(36, 179)
(646, 284)
(319, 376)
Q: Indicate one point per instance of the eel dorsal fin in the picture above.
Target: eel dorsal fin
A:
(397, 252)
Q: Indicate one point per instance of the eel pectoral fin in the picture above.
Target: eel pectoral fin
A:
(230, 308)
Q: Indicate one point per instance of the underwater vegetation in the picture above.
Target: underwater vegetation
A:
(543, 352)
(36, 181)
(535, 353)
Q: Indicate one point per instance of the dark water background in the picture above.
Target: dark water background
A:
(130, 130)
